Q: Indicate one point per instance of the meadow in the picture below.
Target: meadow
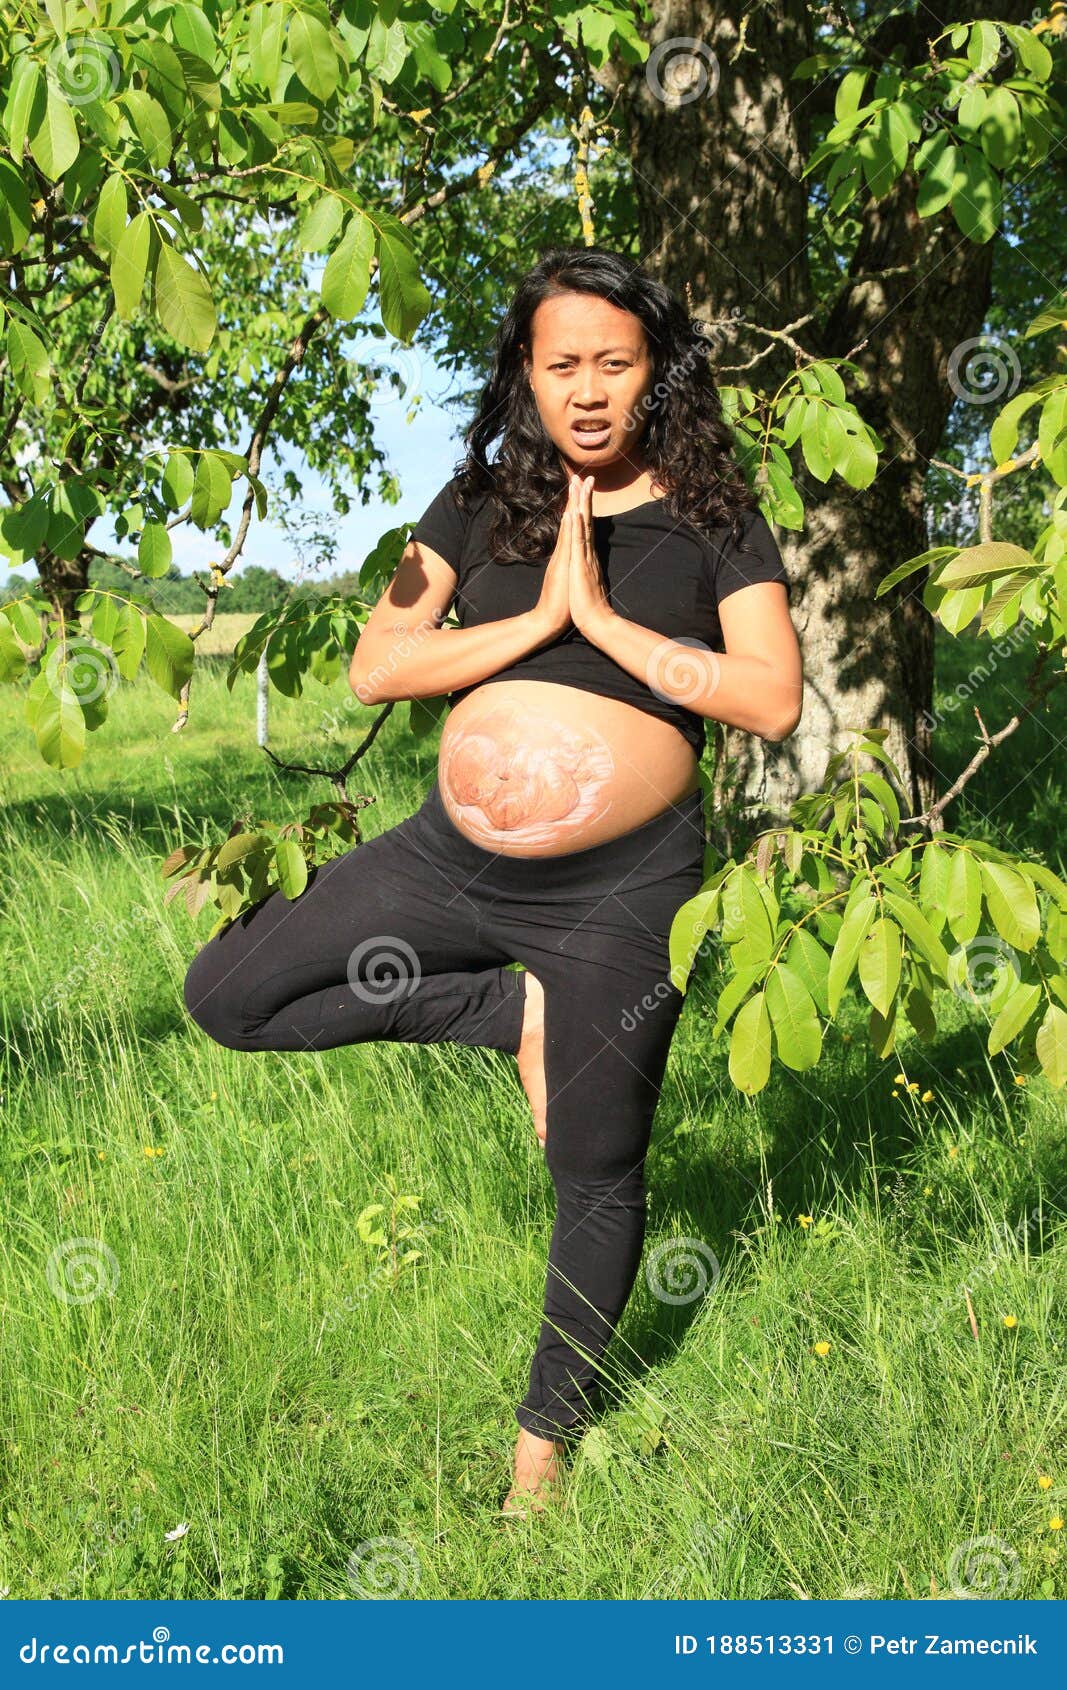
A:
(213, 1385)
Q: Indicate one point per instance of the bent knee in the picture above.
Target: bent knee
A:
(213, 1002)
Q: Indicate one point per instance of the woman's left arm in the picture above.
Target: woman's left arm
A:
(757, 684)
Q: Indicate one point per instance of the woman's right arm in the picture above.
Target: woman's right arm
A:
(403, 652)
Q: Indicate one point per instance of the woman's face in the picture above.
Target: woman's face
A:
(590, 365)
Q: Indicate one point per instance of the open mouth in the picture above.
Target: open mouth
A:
(591, 434)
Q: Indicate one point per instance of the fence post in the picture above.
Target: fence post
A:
(261, 701)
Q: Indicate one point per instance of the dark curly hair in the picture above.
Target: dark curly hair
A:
(687, 442)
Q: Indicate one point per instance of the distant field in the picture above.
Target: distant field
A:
(222, 636)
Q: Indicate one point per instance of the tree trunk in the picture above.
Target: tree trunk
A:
(722, 208)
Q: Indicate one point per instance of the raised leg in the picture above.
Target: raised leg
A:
(380, 945)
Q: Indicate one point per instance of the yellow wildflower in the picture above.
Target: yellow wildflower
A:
(928, 1097)
(805, 1220)
(1010, 1320)
(900, 1079)
(953, 1149)
(913, 1085)
(214, 1095)
(928, 1191)
(1056, 1523)
(822, 1348)
(1020, 1079)
(148, 1150)
(895, 1092)
(1044, 1481)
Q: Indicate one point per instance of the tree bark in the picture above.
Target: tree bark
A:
(722, 208)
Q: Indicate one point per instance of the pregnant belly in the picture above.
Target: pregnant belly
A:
(534, 769)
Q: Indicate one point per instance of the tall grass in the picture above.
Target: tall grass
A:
(224, 1353)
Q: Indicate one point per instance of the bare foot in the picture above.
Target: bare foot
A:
(536, 1475)
(531, 1055)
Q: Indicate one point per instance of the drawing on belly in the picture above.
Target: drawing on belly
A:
(519, 778)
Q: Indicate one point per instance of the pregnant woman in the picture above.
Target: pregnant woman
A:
(615, 585)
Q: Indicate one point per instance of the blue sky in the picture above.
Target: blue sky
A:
(420, 454)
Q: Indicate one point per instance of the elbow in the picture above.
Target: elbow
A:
(367, 685)
(783, 723)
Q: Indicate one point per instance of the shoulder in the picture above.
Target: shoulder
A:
(445, 522)
(743, 551)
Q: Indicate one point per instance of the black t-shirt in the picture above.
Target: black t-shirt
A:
(664, 575)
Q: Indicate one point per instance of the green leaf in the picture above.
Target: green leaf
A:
(16, 215)
(1013, 905)
(1014, 1016)
(291, 866)
(54, 143)
(688, 931)
(733, 994)
(797, 1032)
(169, 654)
(321, 222)
(920, 932)
(58, 721)
(1051, 1044)
(109, 220)
(314, 55)
(346, 277)
(212, 490)
(183, 300)
(154, 550)
(810, 961)
(911, 566)
(846, 949)
(879, 964)
(976, 566)
(177, 480)
(151, 125)
(404, 299)
(30, 363)
(129, 264)
(963, 896)
(976, 201)
(750, 1046)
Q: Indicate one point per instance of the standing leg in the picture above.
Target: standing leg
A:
(380, 945)
(610, 1016)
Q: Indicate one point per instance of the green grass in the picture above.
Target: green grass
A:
(323, 1427)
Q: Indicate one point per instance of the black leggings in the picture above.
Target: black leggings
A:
(409, 936)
